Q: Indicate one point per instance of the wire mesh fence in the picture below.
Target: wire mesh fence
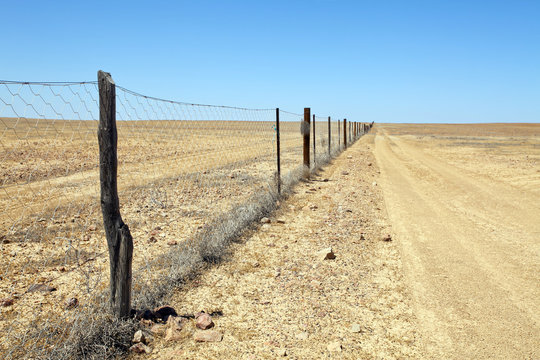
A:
(190, 177)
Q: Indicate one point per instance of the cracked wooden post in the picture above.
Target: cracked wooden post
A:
(305, 131)
(119, 240)
(339, 134)
(278, 154)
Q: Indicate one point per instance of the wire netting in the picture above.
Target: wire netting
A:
(190, 177)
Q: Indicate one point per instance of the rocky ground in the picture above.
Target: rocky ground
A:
(321, 278)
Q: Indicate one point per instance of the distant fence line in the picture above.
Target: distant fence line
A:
(186, 177)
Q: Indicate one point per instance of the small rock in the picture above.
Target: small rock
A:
(387, 237)
(140, 348)
(208, 336)
(139, 337)
(158, 329)
(6, 302)
(4, 240)
(265, 220)
(232, 175)
(326, 254)
(204, 321)
(326, 180)
(92, 228)
(302, 335)
(374, 183)
(265, 227)
(281, 352)
(355, 328)
(176, 323)
(172, 243)
(154, 232)
(344, 173)
(40, 288)
(349, 157)
(71, 303)
(369, 164)
(362, 237)
(152, 239)
(280, 221)
(334, 347)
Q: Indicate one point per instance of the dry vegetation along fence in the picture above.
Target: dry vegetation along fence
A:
(186, 179)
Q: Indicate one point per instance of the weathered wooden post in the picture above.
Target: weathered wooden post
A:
(119, 240)
(314, 144)
(345, 133)
(329, 137)
(305, 131)
(278, 153)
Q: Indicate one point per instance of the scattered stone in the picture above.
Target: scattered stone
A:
(265, 227)
(344, 173)
(139, 337)
(42, 220)
(176, 322)
(387, 237)
(6, 302)
(326, 180)
(281, 352)
(349, 157)
(374, 183)
(41, 288)
(71, 303)
(154, 232)
(369, 164)
(355, 328)
(172, 243)
(174, 329)
(232, 175)
(208, 336)
(334, 346)
(362, 237)
(152, 239)
(302, 335)
(204, 321)
(265, 220)
(158, 329)
(140, 348)
(326, 254)
(164, 312)
(92, 228)
(4, 240)
(280, 221)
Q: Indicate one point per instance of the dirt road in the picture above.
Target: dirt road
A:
(470, 246)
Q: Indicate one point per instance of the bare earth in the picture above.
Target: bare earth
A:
(459, 279)
(466, 211)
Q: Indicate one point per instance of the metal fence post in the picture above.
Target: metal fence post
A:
(329, 137)
(345, 133)
(278, 153)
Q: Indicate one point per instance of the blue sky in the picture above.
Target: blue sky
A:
(383, 61)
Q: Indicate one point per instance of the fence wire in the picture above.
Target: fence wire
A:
(189, 176)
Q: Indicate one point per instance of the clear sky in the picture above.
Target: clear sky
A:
(387, 61)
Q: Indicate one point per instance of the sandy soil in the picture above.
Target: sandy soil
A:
(464, 203)
(277, 295)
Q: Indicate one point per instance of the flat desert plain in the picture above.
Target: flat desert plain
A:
(456, 279)
(173, 178)
(464, 202)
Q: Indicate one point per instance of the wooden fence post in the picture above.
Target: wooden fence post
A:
(278, 153)
(329, 137)
(119, 240)
(305, 131)
(345, 133)
(314, 144)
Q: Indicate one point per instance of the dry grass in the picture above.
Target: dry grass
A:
(187, 190)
